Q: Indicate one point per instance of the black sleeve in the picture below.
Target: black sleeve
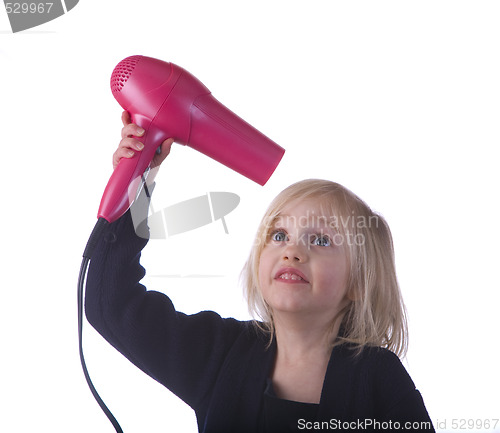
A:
(182, 352)
(400, 402)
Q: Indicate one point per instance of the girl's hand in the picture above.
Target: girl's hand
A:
(129, 145)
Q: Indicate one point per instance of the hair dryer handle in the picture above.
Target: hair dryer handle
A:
(122, 185)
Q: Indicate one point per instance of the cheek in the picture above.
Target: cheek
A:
(334, 278)
(264, 268)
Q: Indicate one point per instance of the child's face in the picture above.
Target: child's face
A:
(302, 270)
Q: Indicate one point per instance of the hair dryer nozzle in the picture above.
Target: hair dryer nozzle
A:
(169, 102)
(219, 133)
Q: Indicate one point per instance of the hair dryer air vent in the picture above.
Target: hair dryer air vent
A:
(122, 73)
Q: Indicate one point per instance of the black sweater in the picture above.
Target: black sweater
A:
(220, 367)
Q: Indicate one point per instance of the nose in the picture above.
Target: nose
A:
(294, 252)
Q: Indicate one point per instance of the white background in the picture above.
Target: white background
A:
(397, 100)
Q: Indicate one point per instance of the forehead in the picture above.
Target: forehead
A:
(305, 214)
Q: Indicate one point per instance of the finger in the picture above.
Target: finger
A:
(131, 130)
(126, 118)
(127, 148)
(122, 153)
(131, 143)
(165, 148)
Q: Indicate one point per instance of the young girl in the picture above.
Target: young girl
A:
(324, 354)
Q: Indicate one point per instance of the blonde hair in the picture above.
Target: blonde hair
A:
(376, 315)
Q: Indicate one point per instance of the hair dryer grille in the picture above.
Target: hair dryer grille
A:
(122, 73)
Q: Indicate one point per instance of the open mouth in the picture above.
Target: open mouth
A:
(290, 275)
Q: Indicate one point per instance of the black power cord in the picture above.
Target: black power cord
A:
(95, 236)
(87, 255)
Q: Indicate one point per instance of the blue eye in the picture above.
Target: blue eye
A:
(321, 241)
(279, 236)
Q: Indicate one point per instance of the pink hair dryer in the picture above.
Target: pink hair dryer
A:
(169, 102)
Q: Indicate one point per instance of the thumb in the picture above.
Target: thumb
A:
(164, 151)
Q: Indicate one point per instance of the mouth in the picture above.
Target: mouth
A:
(290, 275)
